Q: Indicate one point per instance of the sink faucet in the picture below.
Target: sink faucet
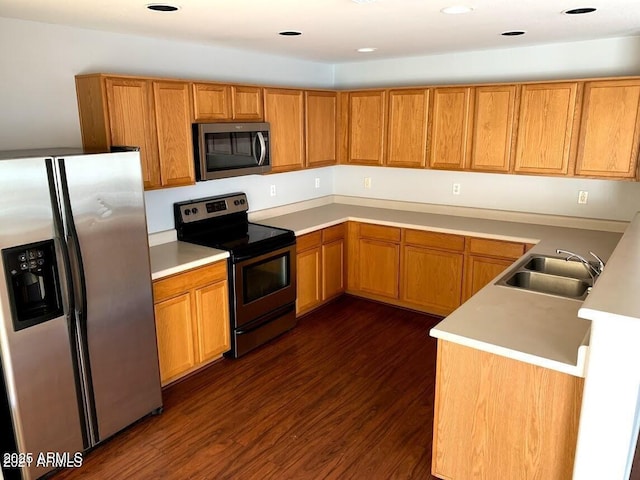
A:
(594, 270)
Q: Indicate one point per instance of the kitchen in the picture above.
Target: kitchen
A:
(32, 99)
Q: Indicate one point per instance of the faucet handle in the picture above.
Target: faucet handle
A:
(600, 262)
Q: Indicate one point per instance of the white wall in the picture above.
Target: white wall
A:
(290, 188)
(611, 200)
(39, 61)
(594, 58)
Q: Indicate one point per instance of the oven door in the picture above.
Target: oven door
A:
(263, 284)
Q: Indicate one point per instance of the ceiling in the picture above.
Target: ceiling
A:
(334, 29)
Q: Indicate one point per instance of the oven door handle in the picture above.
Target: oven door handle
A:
(263, 148)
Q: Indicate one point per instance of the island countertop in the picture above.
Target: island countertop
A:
(535, 328)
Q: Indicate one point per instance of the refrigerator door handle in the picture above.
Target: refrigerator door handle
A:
(58, 227)
(80, 289)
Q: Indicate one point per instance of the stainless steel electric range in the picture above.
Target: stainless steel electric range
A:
(262, 266)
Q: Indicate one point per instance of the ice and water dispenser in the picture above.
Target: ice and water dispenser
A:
(32, 281)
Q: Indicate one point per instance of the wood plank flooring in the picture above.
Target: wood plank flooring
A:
(347, 394)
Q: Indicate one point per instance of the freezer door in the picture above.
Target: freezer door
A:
(108, 217)
(37, 360)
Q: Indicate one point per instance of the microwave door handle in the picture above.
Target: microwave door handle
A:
(263, 148)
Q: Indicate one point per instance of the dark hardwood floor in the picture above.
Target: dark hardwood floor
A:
(347, 394)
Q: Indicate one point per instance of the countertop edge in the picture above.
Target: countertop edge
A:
(577, 370)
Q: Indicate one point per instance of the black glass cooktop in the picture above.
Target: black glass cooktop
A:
(250, 239)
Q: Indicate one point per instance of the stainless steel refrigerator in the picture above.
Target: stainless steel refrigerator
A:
(77, 334)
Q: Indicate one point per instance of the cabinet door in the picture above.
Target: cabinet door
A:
(407, 140)
(432, 278)
(173, 123)
(211, 101)
(309, 279)
(332, 269)
(493, 128)
(320, 115)
(175, 336)
(367, 126)
(545, 128)
(378, 266)
(212, 314)
(480, 271)
(132, 123)
(450, 127)
(284, 110)
(247, 102)
(610, 130)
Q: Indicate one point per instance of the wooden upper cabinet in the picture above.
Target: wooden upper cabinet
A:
(407, 138)
(545, 128)
(284, 110)
(610, 130)
(367, 126)
(131, 122)
(154, 115)
(320, 117)
(450, 127)
(493, 128)
(173, 123)
(247, 103)
(213, 101)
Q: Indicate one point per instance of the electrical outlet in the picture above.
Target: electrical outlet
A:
(456, 189)
(367, 182)
(272, 191)
(583, 196)
(317, 182)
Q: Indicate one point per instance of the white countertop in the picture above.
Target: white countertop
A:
(540, 329)
(175, 257)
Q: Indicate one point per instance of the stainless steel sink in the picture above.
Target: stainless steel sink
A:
(551, 284)
(551, 276)
(557, 266)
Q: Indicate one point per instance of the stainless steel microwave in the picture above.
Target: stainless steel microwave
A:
(230, 149)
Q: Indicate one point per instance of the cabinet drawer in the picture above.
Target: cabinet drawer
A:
(310, 240)
(495, 248)
(333, 233)
(181, 282)
(444, 241)
(379, 232)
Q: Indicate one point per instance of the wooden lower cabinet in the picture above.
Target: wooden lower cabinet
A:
(432, 278)
(480, 271)
(192, 319)
(320, 267)
(496, 417)
(378, 267)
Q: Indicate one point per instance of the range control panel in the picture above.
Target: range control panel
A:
(210, 207)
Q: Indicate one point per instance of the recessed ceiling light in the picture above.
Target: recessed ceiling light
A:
(290, 33)
(513, 33)
(162, 7)
(579, 11)
(367, 49)
(456, 10)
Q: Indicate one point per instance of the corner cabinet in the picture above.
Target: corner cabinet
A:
(192, 319)
(154, 115)
(546, 137)
(367, 115)
(321, 128)
(320, 267)
(284, 110)
(496, 417)
(610, 132)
